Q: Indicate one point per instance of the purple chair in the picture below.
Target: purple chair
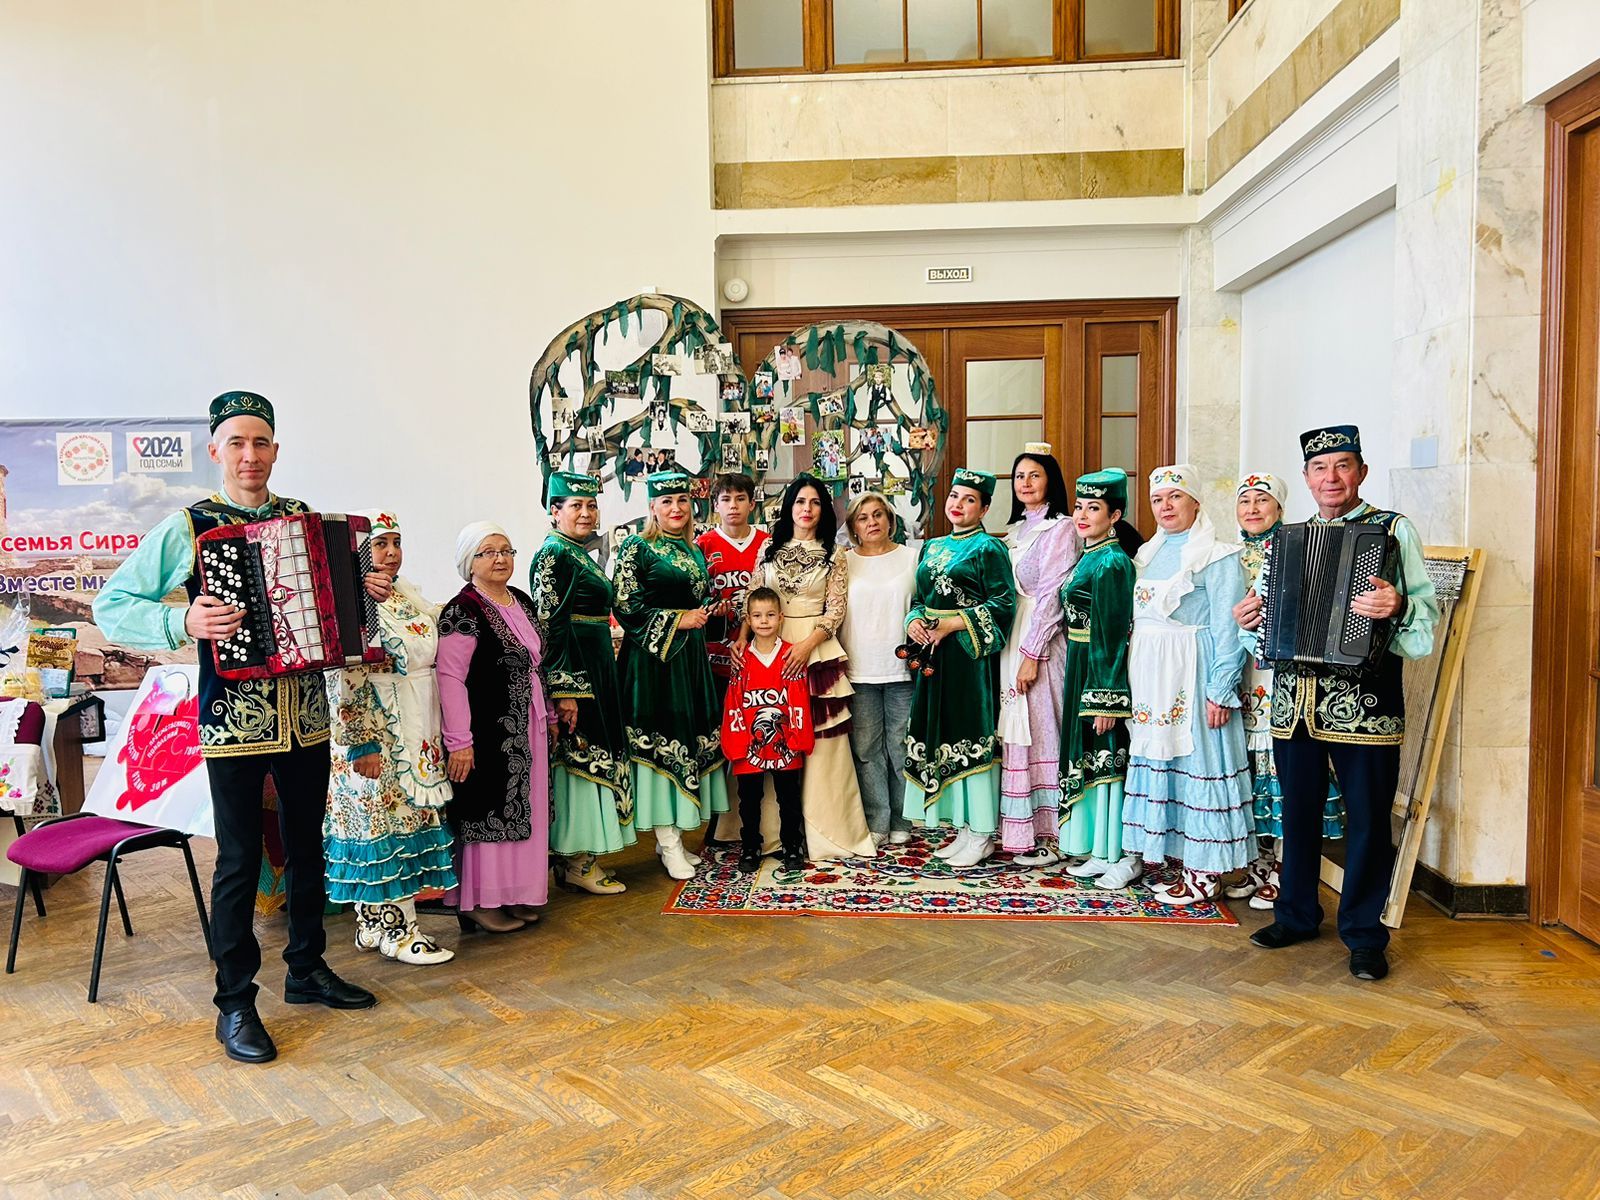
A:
(67, 844)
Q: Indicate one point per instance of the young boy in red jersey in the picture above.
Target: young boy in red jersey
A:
(767, 728)
(730, 551)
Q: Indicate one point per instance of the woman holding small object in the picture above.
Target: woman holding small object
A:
(589, 787)
(962, 609)
(497, 728)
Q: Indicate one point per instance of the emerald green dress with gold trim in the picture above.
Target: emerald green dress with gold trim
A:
(1097, 601)
(590, 791)
(952, 748)
(671, 700)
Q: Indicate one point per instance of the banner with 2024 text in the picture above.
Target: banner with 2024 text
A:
(76, 498)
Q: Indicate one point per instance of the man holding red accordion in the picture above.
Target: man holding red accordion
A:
(248, 727)
(1353, 718)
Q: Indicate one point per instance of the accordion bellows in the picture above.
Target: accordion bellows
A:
(1312, 572)
(299, 580)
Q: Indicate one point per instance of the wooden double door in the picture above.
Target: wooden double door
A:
(1096, 381)
(1564, 841)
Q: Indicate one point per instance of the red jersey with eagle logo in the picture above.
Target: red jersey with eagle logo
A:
(731, 565)
(766, 723)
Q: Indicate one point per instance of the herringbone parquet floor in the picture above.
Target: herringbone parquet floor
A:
(615, 1052)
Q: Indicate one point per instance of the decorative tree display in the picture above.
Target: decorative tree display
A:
(590, 431)
(859, 426)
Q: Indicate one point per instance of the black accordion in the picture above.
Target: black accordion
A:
(299, 580)
(1311, 574)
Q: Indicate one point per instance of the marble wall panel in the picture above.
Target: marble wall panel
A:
(1508, 265)
(1260, 41)
(1425, 25)
(1433, 276)
(1438, 132)
(1504, 425)
(1429, 373)
(1500, 522)
(790, 122)
(1006, 114)
(1493, 815)
(727, 125)
(892, 118)
(1435, 500)
(1136, 109)
(1496, 679)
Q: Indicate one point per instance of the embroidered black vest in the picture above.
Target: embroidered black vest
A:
(1342, 704)
(253, 716)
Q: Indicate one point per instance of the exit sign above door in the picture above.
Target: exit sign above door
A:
(949, 274)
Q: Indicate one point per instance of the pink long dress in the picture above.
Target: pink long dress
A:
(1042, 552)
(494, 874)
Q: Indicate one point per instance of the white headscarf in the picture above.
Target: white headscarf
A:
(384, 521)
(468, 541)
(1264, 481)
(1202, 548)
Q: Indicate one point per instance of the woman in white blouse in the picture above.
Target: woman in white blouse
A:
(881, 576)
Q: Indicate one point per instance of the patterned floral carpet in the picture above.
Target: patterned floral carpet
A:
(907, 881)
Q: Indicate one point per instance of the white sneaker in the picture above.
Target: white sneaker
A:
(1089, 868)
(899, 837)
(1044, 856)
(669, 845)
(955, 845)
(878, 839)
(978, 848)
(1123, 873)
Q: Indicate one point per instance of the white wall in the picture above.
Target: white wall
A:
(1317, 343)
(375, 212)
(1560, 46)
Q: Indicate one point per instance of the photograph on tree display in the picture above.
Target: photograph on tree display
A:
(734, 422)
(865, 394)
(716, 359)
(627, 418)
(765, 382)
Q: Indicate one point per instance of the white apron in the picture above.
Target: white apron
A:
(1014, 727)
(410, 703)
(1162, 659)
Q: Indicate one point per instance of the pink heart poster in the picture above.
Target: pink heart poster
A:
(153, 773)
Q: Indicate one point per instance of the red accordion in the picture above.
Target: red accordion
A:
(299, 580)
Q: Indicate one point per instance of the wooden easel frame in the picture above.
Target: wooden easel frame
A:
(1413, 810)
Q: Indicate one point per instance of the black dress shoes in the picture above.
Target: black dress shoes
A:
(1370, 965)
(322, 986)
(1276, 936)
(244, 1038)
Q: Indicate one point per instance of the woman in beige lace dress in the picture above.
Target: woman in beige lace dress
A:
(802, 564)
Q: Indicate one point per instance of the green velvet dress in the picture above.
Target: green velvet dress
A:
(952, 748)
(671, 700)
(1097, 603)
(590, 793)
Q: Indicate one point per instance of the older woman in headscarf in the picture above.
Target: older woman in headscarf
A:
(589, 786)
(497, 728)
(382, 836)
(1188, 787)
(669, 694)
(1258, 504)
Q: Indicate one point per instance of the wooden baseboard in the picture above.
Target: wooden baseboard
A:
(1502, 901)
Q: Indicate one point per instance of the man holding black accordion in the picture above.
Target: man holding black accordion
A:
(248, 727)
(1325, 709)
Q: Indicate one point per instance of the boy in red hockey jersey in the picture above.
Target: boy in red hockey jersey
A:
(730, 551)
(766, 727)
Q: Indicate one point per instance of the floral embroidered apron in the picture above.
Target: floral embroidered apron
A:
(1162, 660)
(410, 703)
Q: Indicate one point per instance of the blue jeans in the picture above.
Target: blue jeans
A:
(879, 715)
